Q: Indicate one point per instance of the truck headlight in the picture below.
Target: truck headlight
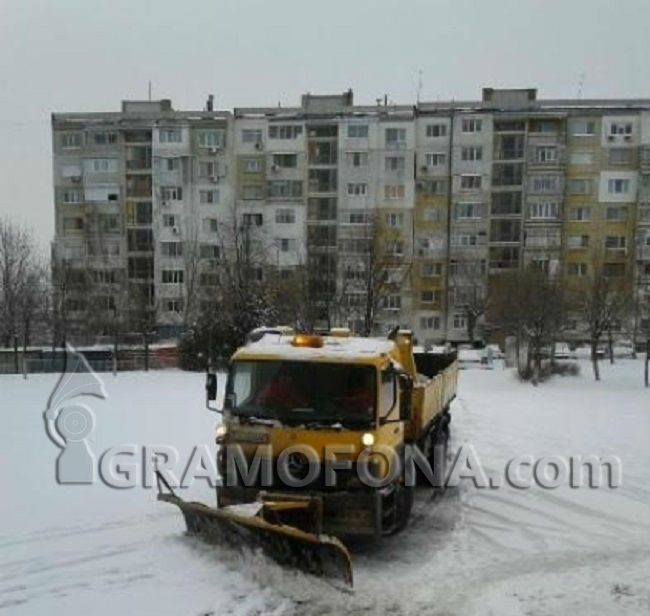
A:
(368, 439)
(220, 433)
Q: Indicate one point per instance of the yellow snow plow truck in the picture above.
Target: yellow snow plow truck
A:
(318, 438)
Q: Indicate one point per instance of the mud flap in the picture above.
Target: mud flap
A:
(243, 525)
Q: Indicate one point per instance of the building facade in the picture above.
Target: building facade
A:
(418, 206)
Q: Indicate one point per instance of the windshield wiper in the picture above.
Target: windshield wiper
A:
(262, 421)
(337, 424)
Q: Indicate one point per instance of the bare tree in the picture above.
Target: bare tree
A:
(17, 271)
(376, 266)
(530, 305)
(470, 295)
(602, 301)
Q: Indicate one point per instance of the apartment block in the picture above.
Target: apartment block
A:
(441, 197)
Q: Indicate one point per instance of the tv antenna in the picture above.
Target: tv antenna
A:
(581, 83)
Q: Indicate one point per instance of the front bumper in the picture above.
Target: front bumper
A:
(343, 512)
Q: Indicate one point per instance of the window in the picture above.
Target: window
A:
(251, 135)
(544, 209)
(392, 302)
(102, 193)
(620, 128)
(620, 156)
(578, 186)
(73, 224)
(104, 138)
(546, 154)
(209, 196)
(285, 161)
(285, 189)
(469, 210)
(388, 392)
(253, 220)
(170, 220)
(470, 182)
(616, 213)
(212, 138)
(170, 135)
(171, 249)
(394, 191)
(71, 140)
(429, 270)
(506, 203)
(394, 163)
(615, 242)
(433, 187)
(581, 158)
(395, 248)
(109, 223)
(471, 153)
(429, 296)
(577, 269)
(459, 321)
(436, 130)
(252, 192)
(429, 322)
(395, 136)
(582, 213)
(172, 193)
(545, 183)
(357, 159)
(471, 125)
(287, 244)
(174, 305)
(139, 240)
(357, 131)
(172, 276)
(284, 131)
(583, 128)
(577, 241)
(464, 239)
(100, 165)
(104, 276)
(210, 225)
(435, 159)
(357, 189)
(72, 195)
(431, 214)
(613, 270)
(209, 251)
(618, 186)
(170, 164)
(394, 219)
(285, 216)
(208, 169)
(252, 165)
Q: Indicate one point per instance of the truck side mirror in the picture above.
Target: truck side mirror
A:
(210, 389)
(405, 398)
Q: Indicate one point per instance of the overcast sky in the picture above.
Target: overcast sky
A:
(85, 55)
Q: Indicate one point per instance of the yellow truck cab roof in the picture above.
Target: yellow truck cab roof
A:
(276, 346)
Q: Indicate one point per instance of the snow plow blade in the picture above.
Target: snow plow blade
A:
(249, 525)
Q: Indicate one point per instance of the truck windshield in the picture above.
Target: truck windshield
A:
(301, 393)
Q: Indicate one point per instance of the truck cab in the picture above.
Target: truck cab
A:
(327, 417)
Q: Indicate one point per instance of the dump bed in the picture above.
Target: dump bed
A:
(433, 390)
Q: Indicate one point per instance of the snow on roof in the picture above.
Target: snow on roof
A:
(334, 348)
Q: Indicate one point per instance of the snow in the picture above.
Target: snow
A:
(334, 348)
(92, 549)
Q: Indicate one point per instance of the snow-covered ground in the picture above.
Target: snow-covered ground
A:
(92, 549)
